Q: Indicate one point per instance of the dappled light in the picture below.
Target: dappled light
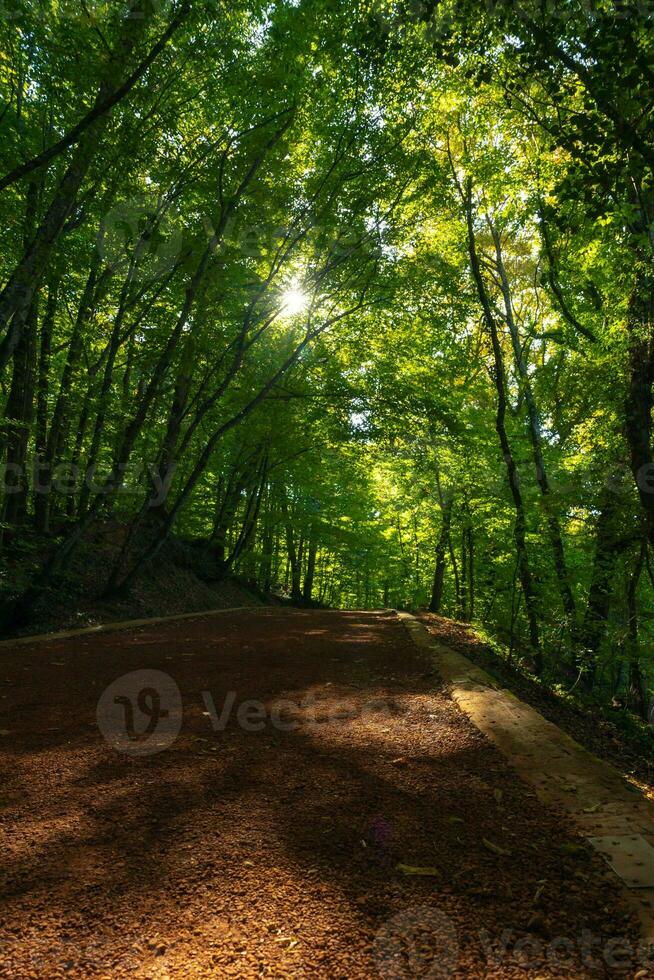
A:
(326, 489)
(236, 846)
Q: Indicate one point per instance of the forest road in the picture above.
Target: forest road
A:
(277, 793)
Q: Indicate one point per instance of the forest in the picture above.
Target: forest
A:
(354, 299)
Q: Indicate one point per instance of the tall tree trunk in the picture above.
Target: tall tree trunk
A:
(19, 416)
(520, 525)
(267, 547)
(535, 434)
(19, 409)
(76, 457)
(463, 611)
(178, 407)
(251, 514)
(455, 572)
(636, 696)
(598, 604)
(108, 374)
(443, 538)
(293, 551)
(227, 505)
(312, 551)
(60, 422)
(471, 572)
(638, 408)
(42, 391)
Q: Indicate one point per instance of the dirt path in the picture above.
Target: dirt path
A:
(270, 847)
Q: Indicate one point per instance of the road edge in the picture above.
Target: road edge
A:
(561, 772)
(125, 624)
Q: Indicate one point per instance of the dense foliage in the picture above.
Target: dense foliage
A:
(359, 296)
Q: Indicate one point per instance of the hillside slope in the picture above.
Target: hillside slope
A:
(184, 578)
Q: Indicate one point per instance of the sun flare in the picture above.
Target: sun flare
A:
(294, 300)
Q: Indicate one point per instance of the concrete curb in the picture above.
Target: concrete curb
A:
(600, 802)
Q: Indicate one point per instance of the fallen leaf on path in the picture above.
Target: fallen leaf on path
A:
(495, 848)
(410, 869)
(572, 848)
(539, 892)
(497, 793)
(456, 819)
(537, 922)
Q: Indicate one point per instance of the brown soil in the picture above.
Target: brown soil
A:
(275, 853)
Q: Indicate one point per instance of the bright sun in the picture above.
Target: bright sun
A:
(294, 300)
